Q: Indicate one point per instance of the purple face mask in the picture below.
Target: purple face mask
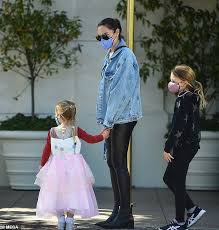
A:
(173, 87)
(106, 44)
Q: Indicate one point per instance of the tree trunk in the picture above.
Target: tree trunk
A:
(32, 82)
(32, 97)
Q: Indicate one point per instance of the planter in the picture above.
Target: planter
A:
(203, 172)
(22, 152)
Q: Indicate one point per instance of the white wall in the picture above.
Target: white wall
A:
(80, 83)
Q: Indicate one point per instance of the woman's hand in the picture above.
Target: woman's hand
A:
(167, 157)
(105, 133)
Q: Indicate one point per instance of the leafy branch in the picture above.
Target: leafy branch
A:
(36, 41)
(185, 35)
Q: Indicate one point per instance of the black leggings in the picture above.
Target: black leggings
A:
(117, 147)
(175, 179)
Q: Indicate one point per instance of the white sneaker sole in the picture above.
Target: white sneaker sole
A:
(202, 212)
(161, 229)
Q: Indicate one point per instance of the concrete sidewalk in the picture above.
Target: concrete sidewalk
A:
(152, 208)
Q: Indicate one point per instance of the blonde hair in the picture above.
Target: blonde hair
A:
(68, 112)
(186, 73)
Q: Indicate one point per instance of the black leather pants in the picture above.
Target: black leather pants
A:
(117, 147)
(175, 179)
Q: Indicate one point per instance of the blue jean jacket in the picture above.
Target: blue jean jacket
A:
(119, 98)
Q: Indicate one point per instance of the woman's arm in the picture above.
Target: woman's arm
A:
(46, 150)
(89, 138)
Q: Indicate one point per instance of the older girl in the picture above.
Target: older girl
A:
(183, 143)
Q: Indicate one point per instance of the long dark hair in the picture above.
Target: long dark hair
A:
(112, 24)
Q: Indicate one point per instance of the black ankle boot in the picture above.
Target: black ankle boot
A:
(124, 219)
(110, 218)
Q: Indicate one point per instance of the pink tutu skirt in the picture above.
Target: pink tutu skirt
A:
(66, 185)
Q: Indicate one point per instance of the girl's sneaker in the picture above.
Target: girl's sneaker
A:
(61, 223)
(174, 226)
(193, 217)
(69, 223)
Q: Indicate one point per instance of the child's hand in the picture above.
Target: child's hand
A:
(105, 133)
(167, 157)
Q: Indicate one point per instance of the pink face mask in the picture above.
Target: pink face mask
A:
(173, 87)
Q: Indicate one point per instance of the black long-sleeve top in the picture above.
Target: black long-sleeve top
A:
(185, 127)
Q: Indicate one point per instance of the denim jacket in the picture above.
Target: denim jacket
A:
(119, 89)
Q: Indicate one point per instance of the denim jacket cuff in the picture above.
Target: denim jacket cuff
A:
(99, 121)
(108, 124)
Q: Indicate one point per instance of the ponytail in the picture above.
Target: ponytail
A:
(198, 88)
(118, 25)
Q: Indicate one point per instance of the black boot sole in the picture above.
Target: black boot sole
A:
(101, 224)
(122, 226)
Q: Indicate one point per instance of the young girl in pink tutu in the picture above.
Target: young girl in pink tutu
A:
(64, 178)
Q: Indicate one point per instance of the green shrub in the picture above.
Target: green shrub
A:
(22, 122)
(210, 124)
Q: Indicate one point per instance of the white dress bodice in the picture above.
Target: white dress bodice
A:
(64, 144)
(67, 145)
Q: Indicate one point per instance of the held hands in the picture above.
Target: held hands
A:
(167, 157)
(105, 133)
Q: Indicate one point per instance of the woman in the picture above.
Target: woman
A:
(118, 109)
